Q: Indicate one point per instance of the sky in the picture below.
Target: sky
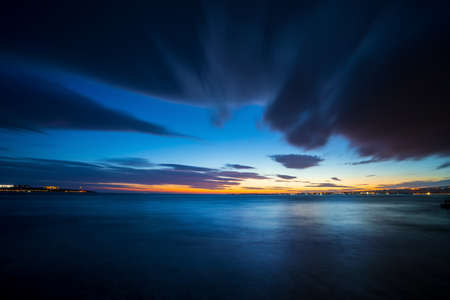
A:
(225, 96)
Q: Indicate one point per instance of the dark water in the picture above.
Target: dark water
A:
(223, 247)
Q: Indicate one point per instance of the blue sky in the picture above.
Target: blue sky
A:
(244, 139)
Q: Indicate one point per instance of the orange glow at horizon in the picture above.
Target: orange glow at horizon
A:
(185, 189)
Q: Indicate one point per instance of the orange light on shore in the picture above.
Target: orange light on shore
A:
(51, 187)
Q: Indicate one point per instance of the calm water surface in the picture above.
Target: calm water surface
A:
(107, 246)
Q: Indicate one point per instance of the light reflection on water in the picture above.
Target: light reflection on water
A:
(223, 247)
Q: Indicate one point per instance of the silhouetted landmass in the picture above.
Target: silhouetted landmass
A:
(43, 189)
(410, 191)
(443, 190)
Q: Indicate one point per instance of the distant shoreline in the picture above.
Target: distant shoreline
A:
(48, 192)
(425, 191)
(12, 189)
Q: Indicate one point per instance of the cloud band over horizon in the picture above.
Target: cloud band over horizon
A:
(37, 171)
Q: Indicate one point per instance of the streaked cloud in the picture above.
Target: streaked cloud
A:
(366, 161)
(238, 167)
(36, 104)
(287, 177)
(130, 161)
(178, 167)
(444, 165)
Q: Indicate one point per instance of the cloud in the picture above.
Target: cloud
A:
(444, 165)
(297, 161)
(335, 178)
(33, 103)
(367, 161)
(378, 87)
(239, 167)
(371, 175)
(240, 175)
(178, 167)
(418, 184)
(328, 185)
(321, 68)
(196, 52)
(130, 161)
(21, 161)
(287, 177)
(36, 171)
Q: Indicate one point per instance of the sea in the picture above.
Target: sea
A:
(149, 246)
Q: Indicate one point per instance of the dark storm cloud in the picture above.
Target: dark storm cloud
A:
(203, 52)
(37, 171)
(297, 161)
(375, 72)
(130, 161)
(335, 178)
(32, 103)
(239, 167)
(287, 177)
(444, 165)
(385, 90)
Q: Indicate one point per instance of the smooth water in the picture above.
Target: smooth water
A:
(130, 246)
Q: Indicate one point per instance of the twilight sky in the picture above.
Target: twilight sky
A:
(225, 96)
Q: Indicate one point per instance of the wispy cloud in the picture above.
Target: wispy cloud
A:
(178, 167)
(335, 178)
(36, 104)
(130, 161)
(238, 167)
(444, 165)
(287, 177)
(367, 161)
